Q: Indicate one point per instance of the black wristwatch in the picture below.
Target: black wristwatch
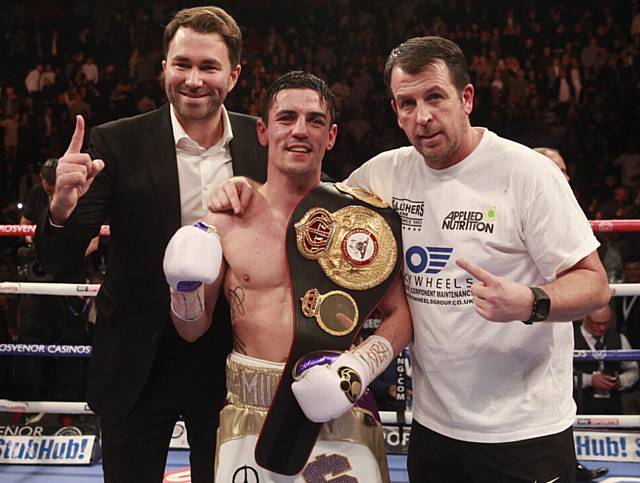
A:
(541, 306)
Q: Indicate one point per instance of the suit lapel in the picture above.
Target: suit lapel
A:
(160, 154)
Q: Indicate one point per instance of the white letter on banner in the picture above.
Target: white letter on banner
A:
(32, 450)
(17, 452)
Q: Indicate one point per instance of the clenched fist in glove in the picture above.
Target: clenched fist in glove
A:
(192, 257)
(328, 384)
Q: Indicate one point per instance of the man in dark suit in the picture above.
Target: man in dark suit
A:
(628, 307)
(148, 175)
(603, 381)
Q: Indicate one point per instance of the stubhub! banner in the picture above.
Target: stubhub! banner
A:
(46, 449)
(607, 446)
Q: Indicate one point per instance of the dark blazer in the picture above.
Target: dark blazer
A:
(137, 194)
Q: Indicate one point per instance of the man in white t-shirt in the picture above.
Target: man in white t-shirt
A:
(492, 237)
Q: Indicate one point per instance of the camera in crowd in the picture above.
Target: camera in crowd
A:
(29, 268)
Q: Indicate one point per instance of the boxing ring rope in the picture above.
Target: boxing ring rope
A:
(29, 230)
(91, 290)
(598, 226)
(387, 417)
(40, 288)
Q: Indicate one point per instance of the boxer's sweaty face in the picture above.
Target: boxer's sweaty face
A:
(299, 131)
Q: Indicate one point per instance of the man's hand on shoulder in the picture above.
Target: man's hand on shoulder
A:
(233, 194)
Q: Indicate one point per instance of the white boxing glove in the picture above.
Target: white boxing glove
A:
(192, 257)
(327, 385)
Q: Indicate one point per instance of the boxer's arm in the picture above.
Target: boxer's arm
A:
(396, 325)
(326, 387)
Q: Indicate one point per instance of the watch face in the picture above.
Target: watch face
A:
(541, 311)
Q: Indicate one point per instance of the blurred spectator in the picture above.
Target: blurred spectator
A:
(602, 381)
(27, 181)
(617, 206)
(627, 308)
(32, 81)
(90, 71)
(48, 77)
(629, 164)
(10, 125)
(10, 102)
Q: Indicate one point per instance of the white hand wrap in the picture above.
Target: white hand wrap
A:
(193, 256)
(187, 306)
(327, 391)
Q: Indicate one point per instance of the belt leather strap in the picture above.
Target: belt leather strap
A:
(287, 436)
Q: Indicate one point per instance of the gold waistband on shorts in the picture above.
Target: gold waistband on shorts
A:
(251, 385)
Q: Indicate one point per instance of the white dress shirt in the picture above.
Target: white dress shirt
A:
(200, 169)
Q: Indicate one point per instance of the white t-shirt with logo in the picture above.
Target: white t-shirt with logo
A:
(510, 211)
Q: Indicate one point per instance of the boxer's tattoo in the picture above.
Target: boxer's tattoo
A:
(238, 344)
(236, 302)
(374, 355)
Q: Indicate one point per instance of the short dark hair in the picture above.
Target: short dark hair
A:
(632, 259)
(545, 151)
(414, 55)
(207, 20)
(48, 170)
(297, 79)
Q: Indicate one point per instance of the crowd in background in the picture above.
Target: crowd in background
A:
(546, 73)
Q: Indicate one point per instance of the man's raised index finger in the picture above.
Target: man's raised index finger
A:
(78, 137)
(479, 273)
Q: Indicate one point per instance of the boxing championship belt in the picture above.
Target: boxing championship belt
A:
(344, 250)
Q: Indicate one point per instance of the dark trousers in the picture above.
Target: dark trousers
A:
(593, 405)
(135, 449)
(434, 458)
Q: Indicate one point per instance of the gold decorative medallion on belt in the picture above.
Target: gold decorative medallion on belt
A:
(354, 245)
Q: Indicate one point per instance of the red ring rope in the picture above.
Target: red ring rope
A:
(598, 226)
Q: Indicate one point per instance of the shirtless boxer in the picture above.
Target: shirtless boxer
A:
(297, 127)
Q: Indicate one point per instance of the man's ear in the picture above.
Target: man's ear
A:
(333, 133)
(233, 77)
(394, 106)
(262, 132)
(467, 98)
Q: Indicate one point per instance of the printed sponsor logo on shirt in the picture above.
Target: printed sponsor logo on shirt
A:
(467, 220)
(429, 260)
(411, 212)
(423, 280)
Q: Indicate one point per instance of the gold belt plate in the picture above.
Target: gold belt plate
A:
(354, 245)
